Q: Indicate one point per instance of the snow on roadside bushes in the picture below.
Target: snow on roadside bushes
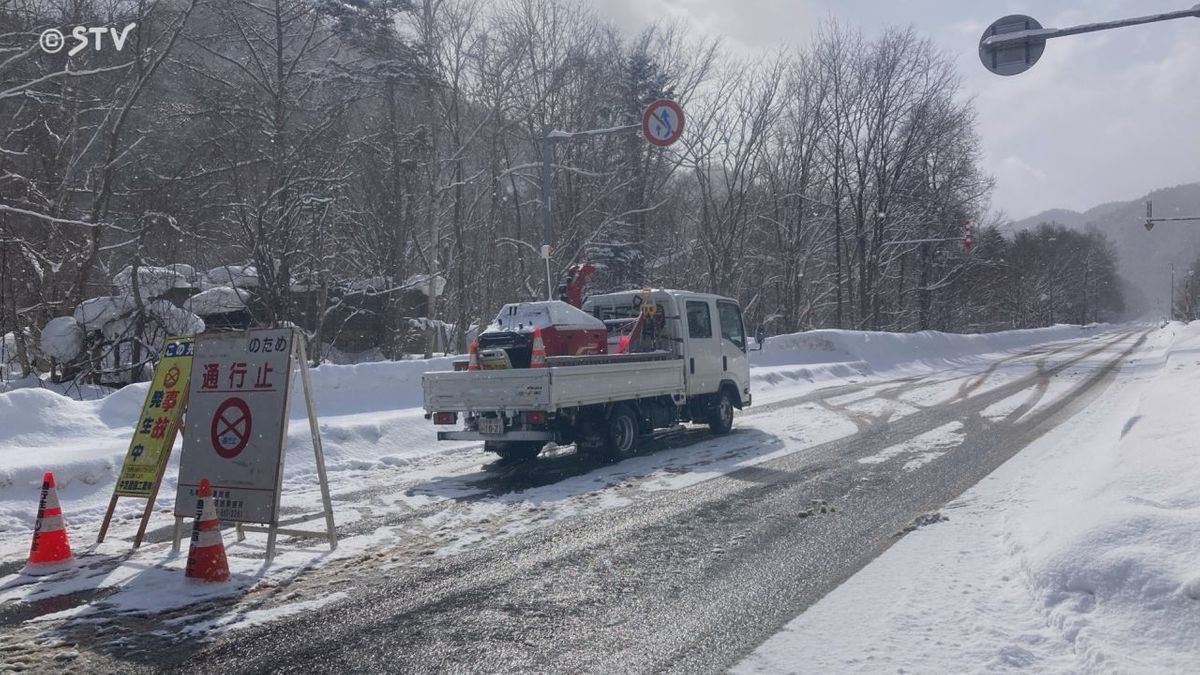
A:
(62, 338)
(216, 300)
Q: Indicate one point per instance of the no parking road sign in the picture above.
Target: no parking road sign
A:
(662, 122)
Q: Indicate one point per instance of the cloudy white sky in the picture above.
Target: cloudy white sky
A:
(1102, 117)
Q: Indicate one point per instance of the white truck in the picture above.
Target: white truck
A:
(691, 367)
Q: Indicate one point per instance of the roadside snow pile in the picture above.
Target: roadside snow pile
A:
(84, 442)
(1117, 566)
(1080, 554)
(826, 354)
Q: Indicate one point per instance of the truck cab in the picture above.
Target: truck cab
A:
(704, 330)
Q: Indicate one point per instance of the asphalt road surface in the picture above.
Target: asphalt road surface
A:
(687, 580)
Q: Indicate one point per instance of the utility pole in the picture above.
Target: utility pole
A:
(1171, 307)
(1151, 220)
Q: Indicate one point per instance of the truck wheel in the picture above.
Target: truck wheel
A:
(514, 450)
(720, 419)
(621, 432)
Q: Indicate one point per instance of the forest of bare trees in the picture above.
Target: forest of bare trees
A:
(328, 142)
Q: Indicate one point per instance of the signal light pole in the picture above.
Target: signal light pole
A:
(1151, 220)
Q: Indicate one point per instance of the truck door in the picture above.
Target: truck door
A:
(734, 363)
(703, 347)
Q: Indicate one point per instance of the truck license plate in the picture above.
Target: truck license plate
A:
(491, 425)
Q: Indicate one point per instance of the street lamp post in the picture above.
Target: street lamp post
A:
(549, 138)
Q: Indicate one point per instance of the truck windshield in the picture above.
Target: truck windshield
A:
(731, 324)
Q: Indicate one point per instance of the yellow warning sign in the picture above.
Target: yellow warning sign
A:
(156, 427)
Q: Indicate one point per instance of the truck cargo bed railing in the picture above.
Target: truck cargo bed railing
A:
(605, 359)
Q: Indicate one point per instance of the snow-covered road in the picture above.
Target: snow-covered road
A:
(879, 439)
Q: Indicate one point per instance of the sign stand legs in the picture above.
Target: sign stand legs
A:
(112, 505)
(151, 499)
(315, 430)
(178, 533)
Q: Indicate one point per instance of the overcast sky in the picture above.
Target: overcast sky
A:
(1102, 117)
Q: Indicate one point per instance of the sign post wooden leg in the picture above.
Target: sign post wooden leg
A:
(315, 430)
(137, 539)
(150, 501)
(178, 535)
(112, 505)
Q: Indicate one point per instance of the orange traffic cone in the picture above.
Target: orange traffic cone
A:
(473, 353)
(206, 557)
(50, 543)
(537, 358)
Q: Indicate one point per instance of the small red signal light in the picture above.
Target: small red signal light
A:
(535, 417)
(445, 417)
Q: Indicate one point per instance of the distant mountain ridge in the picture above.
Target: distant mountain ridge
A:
(1145, 257)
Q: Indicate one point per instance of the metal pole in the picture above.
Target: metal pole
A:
(547, 197)
(1047, 33)
(549, 136)
(1171, 308)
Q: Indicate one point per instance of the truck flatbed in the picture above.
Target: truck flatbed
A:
(571, 381)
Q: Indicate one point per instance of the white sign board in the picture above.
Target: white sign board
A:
(236, 423)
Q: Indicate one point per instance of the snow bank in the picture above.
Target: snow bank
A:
(1116, 566)
(827, 354)
(1080, 554)
(84, 442)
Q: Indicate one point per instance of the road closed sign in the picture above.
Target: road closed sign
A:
(237, 423)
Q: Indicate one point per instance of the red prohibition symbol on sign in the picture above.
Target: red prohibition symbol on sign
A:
(662, 122)
(231, 427)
